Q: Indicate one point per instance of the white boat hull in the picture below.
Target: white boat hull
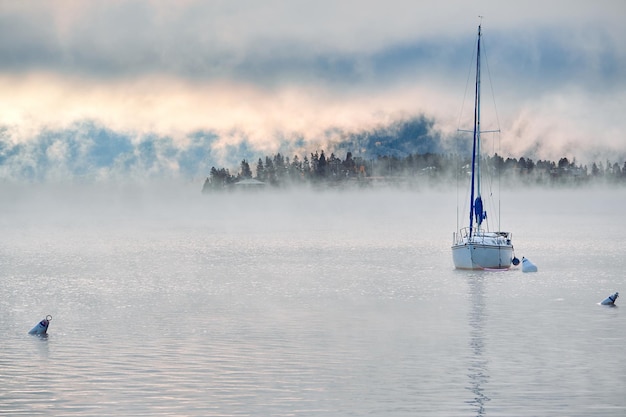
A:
(482, 256)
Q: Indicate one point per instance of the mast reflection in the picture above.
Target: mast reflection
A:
(477, 364)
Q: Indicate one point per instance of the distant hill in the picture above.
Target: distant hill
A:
(399, 139)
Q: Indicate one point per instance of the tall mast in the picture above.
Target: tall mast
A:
(477, 126)
(476, 149)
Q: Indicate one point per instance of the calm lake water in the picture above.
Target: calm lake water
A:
(168, 302)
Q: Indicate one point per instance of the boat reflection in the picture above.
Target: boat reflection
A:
(477, 364)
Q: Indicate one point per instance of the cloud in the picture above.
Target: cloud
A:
(174, 107)
(260, 77)
(576, 125)
(252, 41)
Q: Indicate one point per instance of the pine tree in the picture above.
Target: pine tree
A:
(270, 171)
(260, 170)
(245, 170)
(321, 166)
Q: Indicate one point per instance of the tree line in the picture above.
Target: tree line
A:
(318, 169)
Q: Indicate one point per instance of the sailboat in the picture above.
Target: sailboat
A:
(474, 246)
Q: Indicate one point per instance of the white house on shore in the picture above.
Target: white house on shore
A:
(249, 184)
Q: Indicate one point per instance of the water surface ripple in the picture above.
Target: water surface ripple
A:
(306, 304)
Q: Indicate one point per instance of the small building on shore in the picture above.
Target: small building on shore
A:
(249, 184)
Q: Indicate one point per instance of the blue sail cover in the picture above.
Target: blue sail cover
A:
(478, 211)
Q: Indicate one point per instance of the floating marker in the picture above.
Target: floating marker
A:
(610, 300)
(528, 266)
(515, 261)
(41, 328)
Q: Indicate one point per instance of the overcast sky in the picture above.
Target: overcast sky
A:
(255, 71)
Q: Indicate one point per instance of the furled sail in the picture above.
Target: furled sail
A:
(478, 211)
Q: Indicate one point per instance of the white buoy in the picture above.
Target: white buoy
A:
(610, 300)
(41, 328)
(528, 266)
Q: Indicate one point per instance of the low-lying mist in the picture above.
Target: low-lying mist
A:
(139, 209)
(385, 215)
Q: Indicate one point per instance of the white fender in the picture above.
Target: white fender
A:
(528, 266)
(610, 300)
(41, 327)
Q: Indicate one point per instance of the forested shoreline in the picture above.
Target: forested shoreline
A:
(428, 169)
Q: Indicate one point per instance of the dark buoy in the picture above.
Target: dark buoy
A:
(515, 261)
(610, 300)
(41, 328)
